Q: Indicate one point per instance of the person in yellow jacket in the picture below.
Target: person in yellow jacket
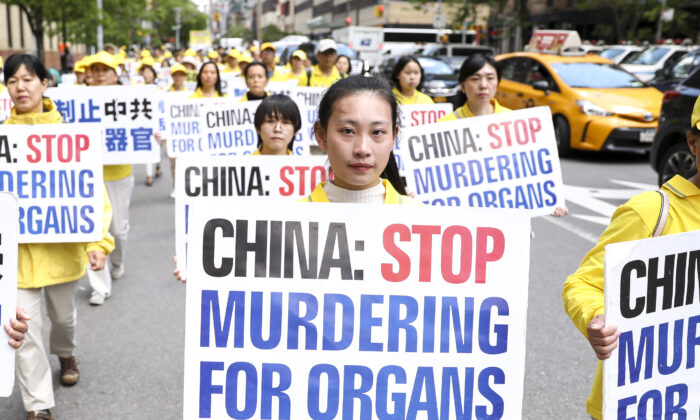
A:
(232, 62)
(120, 186)
(277, 122)
(325, 73)
(479, 76)
(407, 78)
(583, 292)
(208, 82)
(51, 268)
(256, 80)
(178, 73)
(297, 70)
(357, 126)
(267, 56)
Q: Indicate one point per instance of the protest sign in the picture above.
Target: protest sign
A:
(233, 84)
(652, 295)
(5, 104)
(416, 116)
(56, 171)
(200, 178)
(127, 116)
(8, 286)
(313, 312)
(505, 160)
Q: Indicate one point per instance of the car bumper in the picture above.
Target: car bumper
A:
(617, 134)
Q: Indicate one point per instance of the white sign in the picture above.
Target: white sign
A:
(5, 104)
(127, 115)
(652, 295)
(218, 178)
(505, 160)
(8, 287)
(416, 116)
(56, 171)
(313, 312)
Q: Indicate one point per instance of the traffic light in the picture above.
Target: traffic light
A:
(348, 20)
(379, 10)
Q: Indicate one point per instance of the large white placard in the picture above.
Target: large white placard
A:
(56, 171)
(652, 295)
(5, 104)
(8, 287)
(506, 160)
(216, 178)
(416, 116)
(355, 311)
(127, 115)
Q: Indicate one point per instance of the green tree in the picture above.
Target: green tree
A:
(271, 33)
(163, 17)
(240, 31)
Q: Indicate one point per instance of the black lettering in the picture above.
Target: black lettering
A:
(337, 237)
(259, 248)
(209, 245)
(626, 310)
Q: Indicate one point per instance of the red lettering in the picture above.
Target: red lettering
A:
(483, 256)
(519, 127)
(535, 127)
(523, 132)
(492, 132)
(302, 178)
(447, 253)
(426, 233)
(506, 126)
(318, 175)
(30, 143)
(49, 144)
(414, 116)
(404, 268)
(285, 192)
(82, 144)
(64, 143)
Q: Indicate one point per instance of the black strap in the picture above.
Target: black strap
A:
(308, 77)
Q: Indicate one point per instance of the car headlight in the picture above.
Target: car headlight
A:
(589, 108)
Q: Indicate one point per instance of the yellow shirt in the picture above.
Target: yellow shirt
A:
(199, 94)
(229, 69)
(297, 77)
(47, 264)
(318, 79)
(391, 196)
(465, 112)
(636, 219)
(418, 98)
(278, 76)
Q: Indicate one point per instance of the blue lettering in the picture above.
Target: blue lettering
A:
(348, 316)
(396, 323)
(295, 321)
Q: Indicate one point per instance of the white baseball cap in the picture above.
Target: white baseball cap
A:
(327, 44)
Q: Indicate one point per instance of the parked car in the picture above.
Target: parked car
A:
(618, 53)
(595, 104)
(655, 58)
(669, 153)
(668, 77)
(440, 82)
(454, 54)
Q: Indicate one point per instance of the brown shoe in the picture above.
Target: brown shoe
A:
(69, 370)
(39, 415)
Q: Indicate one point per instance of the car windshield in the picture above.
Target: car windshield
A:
(434, 67)
(611, 53)
(651, 56)
(595, 75)
(629, 58)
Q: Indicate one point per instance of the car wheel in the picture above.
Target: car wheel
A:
(561, 132)
(677, 160)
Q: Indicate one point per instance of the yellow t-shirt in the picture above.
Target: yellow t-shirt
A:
(465, 112)
(199, 94)
(318, 79)
(229, 69)
(418, 98)
(583, 292)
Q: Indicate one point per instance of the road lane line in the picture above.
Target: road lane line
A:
(572, 228)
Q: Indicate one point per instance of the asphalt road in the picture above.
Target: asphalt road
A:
(131, 349)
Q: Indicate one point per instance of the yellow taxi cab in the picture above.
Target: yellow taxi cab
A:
(595, 104)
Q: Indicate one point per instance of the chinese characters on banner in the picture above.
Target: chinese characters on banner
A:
(8, 287)
(127, 116)
(56, 172)
(652, 295)
(314, 312)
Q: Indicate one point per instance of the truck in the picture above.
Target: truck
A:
(366, 40)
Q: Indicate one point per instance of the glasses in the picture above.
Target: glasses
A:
(328, 52)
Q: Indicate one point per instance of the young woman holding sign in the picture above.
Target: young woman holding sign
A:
(51, 268)
(208, 82)
(641, 217)
(277, 121)
(256, 79)
(407, 78)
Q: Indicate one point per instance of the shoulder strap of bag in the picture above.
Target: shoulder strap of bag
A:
(308, 77)
(663, 214)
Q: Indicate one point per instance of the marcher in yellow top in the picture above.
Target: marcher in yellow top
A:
(256, 80)
(178, 73)
(479, 76)
(267, 56)
(357, 126)
(277, 122)
(47, 269)
(208, 82)
(407, 78)
(232, 62)
(325, 73)
(297, 70)
(583, 292)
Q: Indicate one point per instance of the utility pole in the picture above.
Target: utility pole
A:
(258, 8)
(659, 21)
(177, 26)
(100, 40)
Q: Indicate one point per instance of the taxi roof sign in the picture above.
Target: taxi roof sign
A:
(555, 41)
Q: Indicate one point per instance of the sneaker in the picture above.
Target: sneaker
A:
(117, 271)
(39, 415)
(96, 299)
(69, 370)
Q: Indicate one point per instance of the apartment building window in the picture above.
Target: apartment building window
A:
(9, 25)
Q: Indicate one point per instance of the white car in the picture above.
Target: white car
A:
(645, 65)
(618, 53)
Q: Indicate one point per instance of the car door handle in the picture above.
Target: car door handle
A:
(520, 95)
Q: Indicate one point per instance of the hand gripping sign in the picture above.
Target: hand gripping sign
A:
(127, 116)
(652, 295)
(8, 286)
(56, 171)
(217, 178)
(355, 311)
(505, 160)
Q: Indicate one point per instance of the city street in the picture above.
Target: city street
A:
(131, 349)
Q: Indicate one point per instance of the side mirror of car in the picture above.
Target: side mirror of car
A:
(541, 85)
